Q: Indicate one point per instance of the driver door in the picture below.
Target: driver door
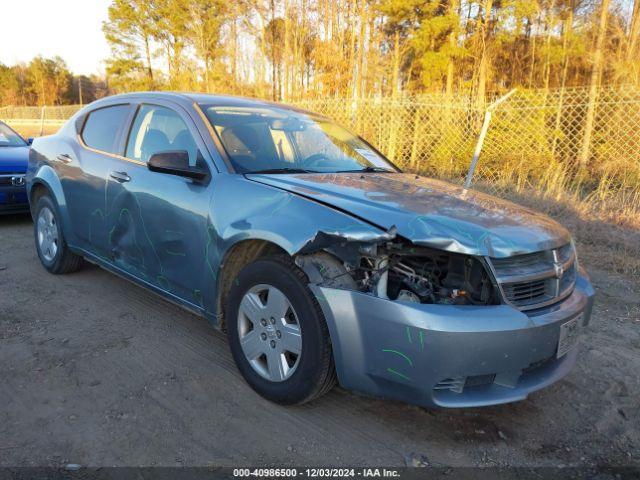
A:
(158, 221)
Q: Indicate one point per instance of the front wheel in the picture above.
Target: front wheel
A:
(51, 246)
(277, 332)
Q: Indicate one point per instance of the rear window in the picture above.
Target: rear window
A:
(102, 127)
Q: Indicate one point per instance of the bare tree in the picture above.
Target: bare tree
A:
(596, 71)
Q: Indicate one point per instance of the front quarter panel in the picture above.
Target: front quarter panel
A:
(245, 210)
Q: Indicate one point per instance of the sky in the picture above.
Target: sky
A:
(71, 29)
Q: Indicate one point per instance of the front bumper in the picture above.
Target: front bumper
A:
(447, 355)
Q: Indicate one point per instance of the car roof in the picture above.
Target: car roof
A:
(186, 99)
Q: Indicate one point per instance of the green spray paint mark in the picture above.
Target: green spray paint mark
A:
(163, 282)
(103, 214)
(421, 340)
(176, 254)
(125, 212)
(391, 370)
(388, 350)
(408, 334)
(207, 249)
(146, 233)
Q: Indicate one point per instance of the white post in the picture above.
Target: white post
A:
(483, 133)
(476, 153)
(42, 120)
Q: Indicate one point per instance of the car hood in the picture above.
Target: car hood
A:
(429, 212)
(13, 159)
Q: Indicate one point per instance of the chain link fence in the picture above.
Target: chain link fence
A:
(554, 142)
(37, 121)
(540, 140)
(428, 134)
(536, 142)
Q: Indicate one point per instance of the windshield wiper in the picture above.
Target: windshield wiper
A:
(368, 170)
(283, 170)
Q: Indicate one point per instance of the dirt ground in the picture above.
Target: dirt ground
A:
(99, 372)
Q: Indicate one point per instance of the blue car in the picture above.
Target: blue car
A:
(317, 256)
(14, 156)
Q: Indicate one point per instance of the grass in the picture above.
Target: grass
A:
(33, 131)
(607, 241)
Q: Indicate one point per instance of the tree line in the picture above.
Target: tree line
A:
(47, 81)
(289, 49)
(285, 49)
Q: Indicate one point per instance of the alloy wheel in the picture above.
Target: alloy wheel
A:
(269, 331)
(47, 234)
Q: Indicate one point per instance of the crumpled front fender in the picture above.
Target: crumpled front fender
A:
(245, 210)
(294, 223)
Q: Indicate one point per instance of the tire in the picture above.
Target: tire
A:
(51, 246)
(302, 377)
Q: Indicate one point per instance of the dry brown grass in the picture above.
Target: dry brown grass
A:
(607, 241)
(34, 130)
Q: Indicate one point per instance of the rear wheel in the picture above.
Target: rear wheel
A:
(277, 332)
(52, 249)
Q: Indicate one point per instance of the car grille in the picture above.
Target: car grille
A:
(7, 180)
(524, 293)
(536, 279)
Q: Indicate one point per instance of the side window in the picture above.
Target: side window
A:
(159, 129)
(102, 126)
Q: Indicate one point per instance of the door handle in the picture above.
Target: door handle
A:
(120, 176)
(65, 158)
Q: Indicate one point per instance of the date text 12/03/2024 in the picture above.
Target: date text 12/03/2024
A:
(317, 472)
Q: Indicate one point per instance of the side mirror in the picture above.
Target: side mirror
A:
(30, 140)
(175, 163)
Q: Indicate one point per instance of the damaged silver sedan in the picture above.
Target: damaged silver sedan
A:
(318, 257)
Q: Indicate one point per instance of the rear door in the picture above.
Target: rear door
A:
(84, 168)
(157, 221)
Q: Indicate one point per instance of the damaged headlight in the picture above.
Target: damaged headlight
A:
(427, 276)
(424, 275)
(406, 273)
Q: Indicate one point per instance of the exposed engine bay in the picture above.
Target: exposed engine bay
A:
(405, 273)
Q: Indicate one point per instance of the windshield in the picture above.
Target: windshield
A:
(9, 138)
(275, 140)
